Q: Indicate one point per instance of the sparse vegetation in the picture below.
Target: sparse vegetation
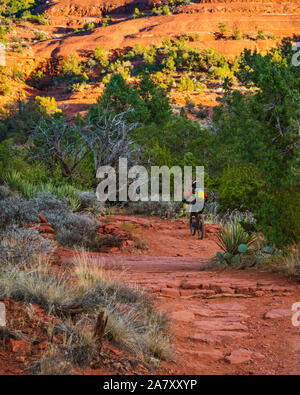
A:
(237, 34)
(128, 310)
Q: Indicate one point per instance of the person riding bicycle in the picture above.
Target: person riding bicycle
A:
(196, 198)
(199, 196)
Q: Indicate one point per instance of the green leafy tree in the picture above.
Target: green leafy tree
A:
(261, 127)
(150, 103)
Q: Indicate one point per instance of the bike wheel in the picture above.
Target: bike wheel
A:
(201, 229)
(193, 227)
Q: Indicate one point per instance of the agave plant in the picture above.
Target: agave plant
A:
(233, 240)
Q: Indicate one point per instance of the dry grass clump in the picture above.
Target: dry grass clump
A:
(141, 243)
(53, 363)
(133, 322)
(127, 227)
(287, 263)
(79, 344)
(76, 297)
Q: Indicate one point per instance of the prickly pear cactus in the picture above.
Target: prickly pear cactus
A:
(242, 248)
(232, 258)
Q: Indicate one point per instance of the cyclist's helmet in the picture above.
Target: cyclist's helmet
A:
(194, 184)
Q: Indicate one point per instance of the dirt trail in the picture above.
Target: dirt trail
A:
(223, 322)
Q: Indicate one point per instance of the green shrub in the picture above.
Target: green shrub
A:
(166, 10)
(2, 34)
(40, 35)
(185, 84)
(106, 21)
(149, 56)
(101, 58)
(41, 19)
(4, 87)
(17, 75)
(221, 34)
(89, 26)
(237, 34)
(222, 27)
(36, 79)
(241, 188)
(278, 216)
(78, 87)
(136, 14)
(121, 67)
(47, 105)
(169, 65)
(71, 67)
(202, 112)
(252, 129)
(150, 103)
(260, 35)
(16, 7)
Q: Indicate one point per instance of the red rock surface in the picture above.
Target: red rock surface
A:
(152, 30)
(214, 332)
(239, 356)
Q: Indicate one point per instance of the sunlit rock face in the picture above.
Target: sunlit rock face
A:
(92, 8)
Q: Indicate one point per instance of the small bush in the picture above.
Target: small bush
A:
(22, 246)
(78, 87)
(71, 67)
(136, 14)
(101, 58)
(89, 26)
(237, 34)
(127, 227)
(71, 229)
(41, 19)
(17, 75)
(260, 35)
(185, 84)
(141, 244)
(37, 79)
(76, 230)
(202, 112)
(47, 105)
(40, 35)
(4, 87)
(88, 200)
(222, 27)
(106, 21)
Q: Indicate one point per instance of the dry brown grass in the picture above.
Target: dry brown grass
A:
(54, 363)
(287, 263)
(127, 227)
(133, 322)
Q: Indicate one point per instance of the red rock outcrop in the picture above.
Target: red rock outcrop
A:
(45, 230)
(91, 8)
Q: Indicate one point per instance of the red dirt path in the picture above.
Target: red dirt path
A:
(223, 322)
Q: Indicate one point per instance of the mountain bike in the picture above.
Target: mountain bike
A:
(197, 224)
